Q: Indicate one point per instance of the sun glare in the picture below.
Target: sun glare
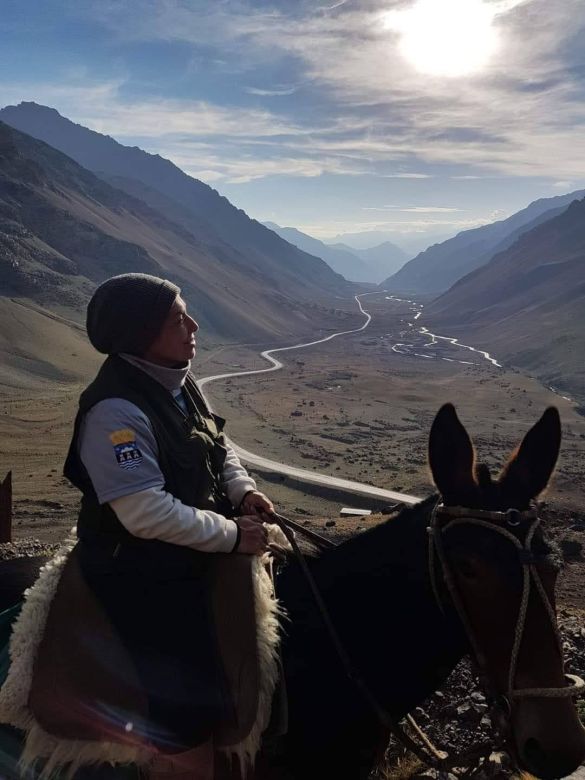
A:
(445, 37)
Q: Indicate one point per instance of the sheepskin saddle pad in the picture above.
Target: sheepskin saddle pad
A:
(66, 696)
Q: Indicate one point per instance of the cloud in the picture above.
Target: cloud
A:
(333, 7)
(331, 228)
(207, 176)
(413, 209)
(270, 92)
(408, 176)
(504, 6)
(365, 111)
(235, 170)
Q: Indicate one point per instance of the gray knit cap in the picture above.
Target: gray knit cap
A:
(127, 312)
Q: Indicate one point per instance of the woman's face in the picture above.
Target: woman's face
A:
(176, 341)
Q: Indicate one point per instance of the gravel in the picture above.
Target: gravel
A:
(26, 548)
(456, 717)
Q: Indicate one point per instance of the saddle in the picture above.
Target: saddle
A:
(83, 679)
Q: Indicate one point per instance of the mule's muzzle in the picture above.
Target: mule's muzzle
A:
(549, 765)
(549, 740)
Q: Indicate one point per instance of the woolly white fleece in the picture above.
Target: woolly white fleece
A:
(71, 754)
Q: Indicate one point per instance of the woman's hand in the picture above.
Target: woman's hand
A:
(253, 535)
(256, 503)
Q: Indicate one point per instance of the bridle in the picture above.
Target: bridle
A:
(501, 708)
(505, 524)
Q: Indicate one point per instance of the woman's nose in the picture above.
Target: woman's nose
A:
(194, 325)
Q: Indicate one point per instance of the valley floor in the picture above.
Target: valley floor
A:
(352, 407)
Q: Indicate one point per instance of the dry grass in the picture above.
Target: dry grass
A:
(401, 768)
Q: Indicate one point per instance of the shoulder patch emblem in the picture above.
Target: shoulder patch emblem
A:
(127, 453)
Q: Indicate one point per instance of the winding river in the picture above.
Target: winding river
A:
(435, 339)
(420, 343)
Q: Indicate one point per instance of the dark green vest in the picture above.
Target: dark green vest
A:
(191, 446)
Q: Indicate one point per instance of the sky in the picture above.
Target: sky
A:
(411, 118)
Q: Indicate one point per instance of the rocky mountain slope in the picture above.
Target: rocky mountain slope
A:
(441, 265)
(208, 216)
(528, 303)
(63, 230)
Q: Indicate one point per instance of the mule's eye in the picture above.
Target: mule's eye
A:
(467, 568)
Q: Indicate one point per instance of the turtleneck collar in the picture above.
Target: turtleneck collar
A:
(170, 378)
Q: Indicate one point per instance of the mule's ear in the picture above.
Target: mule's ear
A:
(451, 457)
(530, 467)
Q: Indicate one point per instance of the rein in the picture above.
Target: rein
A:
(458, 516)
(437, 758)
(429, 754)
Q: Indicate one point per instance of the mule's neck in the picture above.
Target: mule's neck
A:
(378, 591)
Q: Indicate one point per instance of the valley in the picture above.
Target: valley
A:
(353, 407)
(357, 408)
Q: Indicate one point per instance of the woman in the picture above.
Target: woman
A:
(160, 490)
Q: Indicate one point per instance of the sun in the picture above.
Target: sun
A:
(445, 37)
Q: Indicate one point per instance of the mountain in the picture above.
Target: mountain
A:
(441, 265)
(411, 243)
(342, 261)
(184, 200)
(382, 259)
(359, 265)
(63, 230)
(527, 304)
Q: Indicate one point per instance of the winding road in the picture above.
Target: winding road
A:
(359, 488)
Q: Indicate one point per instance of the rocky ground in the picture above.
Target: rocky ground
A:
(457, 719)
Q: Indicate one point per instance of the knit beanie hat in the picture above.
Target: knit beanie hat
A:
(127, 312)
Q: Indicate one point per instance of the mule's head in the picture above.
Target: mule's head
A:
(502, 571)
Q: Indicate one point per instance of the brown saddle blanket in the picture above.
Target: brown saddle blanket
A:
(78, 692)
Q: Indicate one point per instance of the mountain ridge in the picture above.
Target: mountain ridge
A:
(527, 304)
(63, 230)
(438, 267)
(190, 202)
(359, 265)
(349, 265)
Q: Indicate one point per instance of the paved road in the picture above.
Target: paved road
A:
(359, 488)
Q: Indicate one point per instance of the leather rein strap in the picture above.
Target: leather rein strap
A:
(429, 754)
(494, 522)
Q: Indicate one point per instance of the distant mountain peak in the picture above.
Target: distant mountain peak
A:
(359, 265)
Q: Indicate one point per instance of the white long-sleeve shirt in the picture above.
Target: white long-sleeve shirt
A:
(118, 448)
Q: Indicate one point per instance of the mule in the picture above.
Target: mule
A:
(403, 632)
(414, 595)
